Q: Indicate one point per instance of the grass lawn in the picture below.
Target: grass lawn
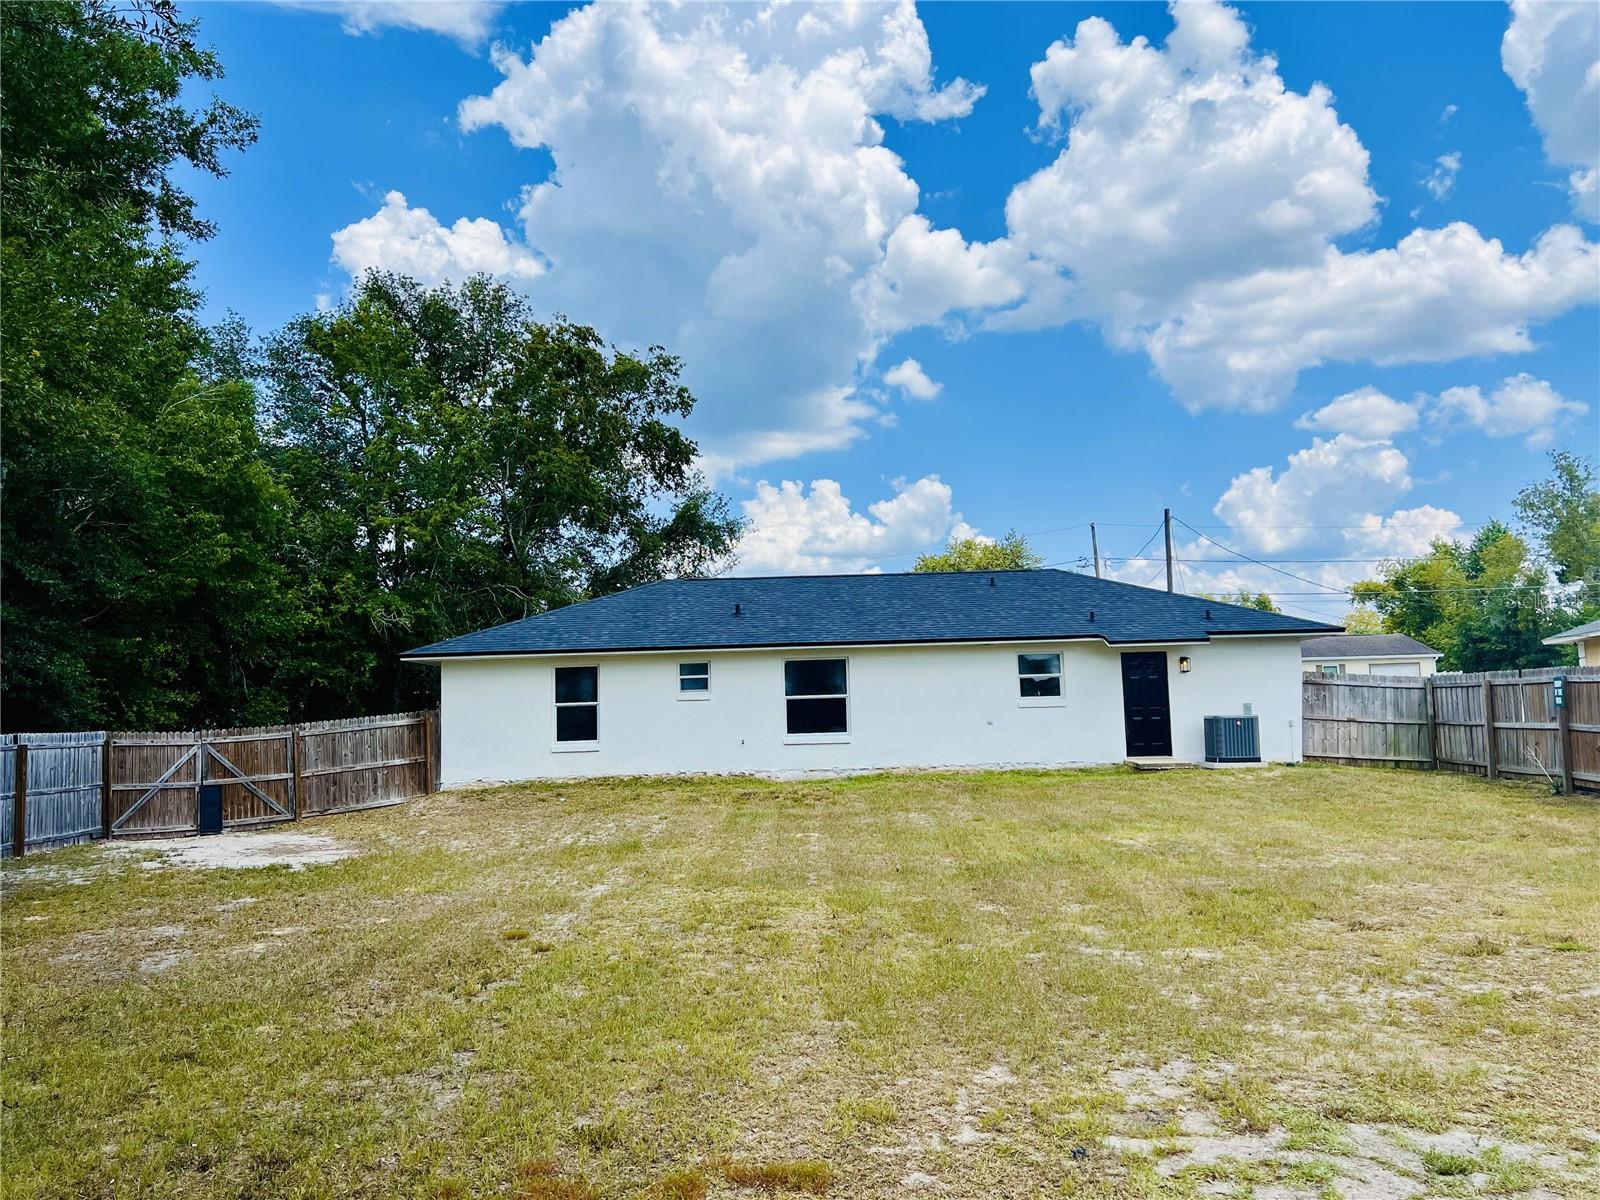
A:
(1311, 981)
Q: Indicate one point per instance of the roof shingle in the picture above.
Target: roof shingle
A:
(1363, 645)
(841, 610)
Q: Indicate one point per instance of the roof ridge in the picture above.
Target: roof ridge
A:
(869, 575)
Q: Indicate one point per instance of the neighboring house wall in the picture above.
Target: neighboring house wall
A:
(1589, 652)
(910, 706)
(1393, 665)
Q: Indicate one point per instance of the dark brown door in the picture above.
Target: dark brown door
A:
(1144, 705)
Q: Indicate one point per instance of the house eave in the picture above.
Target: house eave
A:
(812, 647)
(1370, 657)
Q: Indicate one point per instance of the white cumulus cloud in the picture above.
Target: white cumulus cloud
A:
(414, 242)
(1551, 50)
(1441, 180)
(1522, 406)
(1336, 481)
(1440, 295)
(793, 529)
(911, 379)
(1194, 213)
(467, 21)
(1365, 413)
(1404, 533)
(721, 187)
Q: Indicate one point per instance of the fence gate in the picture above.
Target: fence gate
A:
(157, 778)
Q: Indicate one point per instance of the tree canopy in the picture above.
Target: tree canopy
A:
(1244, 598)
(1010, 553)
(1563, 511)
(1362, 620)
(198, 529)
(456, 463)
(137, 516)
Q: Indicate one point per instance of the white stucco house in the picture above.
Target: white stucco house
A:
(1368, 654)
(1586, 637)
(838, 673)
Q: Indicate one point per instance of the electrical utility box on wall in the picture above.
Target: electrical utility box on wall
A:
(1233, 739)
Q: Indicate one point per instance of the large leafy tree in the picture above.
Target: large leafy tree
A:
(1563, 512)
(1010, 553)
(138, 573)
(1483, 605)
(1244, 598)
(457, 463)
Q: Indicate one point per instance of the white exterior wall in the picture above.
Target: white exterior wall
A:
(1425, 664)
(909, 706)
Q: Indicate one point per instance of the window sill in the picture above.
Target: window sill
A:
(815, 739)
(694, 695)
(1042, 702)
(574, 747)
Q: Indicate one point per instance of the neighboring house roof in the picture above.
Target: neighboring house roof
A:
(1582, 632)
(842, 610)
(1365, 645)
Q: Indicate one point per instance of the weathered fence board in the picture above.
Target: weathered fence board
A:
(83, 785)
(63, 788)
(344, 765)
(1372, 719)
(1497, 723)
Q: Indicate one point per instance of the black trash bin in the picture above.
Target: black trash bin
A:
(209, 818)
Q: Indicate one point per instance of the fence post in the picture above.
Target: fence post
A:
(297, 766)
(1427, 715)
(1564, 743)
(1491, 768)
(105, 785)
(19, 803)
(427, 753)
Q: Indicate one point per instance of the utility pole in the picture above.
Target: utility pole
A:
(1094, 544)
(1166, 522)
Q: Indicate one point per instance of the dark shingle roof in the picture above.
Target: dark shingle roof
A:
(1362, 645)
(1576, 634)
(840, 610)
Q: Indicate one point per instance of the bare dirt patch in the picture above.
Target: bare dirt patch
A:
(229, 851)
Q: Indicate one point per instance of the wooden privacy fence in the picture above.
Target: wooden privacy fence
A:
(50, 789)
(1496, 723)
(58, 788)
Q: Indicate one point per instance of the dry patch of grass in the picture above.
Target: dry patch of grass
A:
(543, 1179)
(795, 1175)
(1094, 983)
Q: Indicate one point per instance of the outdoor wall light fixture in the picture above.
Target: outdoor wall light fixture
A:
(1183, 664)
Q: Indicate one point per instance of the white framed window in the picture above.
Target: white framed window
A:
(577, 701)
(816, 700)
(1039, 681)
(694, 681)
(1331, 669)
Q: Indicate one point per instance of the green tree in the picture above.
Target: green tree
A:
(1564, 513)
(456, 463)
(1362, 620)
(139, 578)
(1484, 605)
(1244, 598)
(1010, 553)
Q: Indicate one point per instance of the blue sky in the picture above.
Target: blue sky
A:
(1321, 279)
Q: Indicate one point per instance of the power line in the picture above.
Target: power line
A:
(1498, 587)
(1139, 553)
(1253, 525)
(1257, 561)
(1387, 558)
